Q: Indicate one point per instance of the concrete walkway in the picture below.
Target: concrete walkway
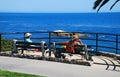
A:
(106, 63)
(54, 69)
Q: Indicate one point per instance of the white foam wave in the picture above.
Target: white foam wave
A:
(96, 26)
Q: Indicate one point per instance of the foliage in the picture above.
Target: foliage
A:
(101, 3)
(6, 45)
(16, 74)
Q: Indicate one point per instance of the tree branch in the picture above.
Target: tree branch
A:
(97, 3)
(103, 3)
(114, 4)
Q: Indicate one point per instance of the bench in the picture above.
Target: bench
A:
(58, 49)
(21, 45)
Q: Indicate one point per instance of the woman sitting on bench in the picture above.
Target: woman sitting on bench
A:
(71, 46)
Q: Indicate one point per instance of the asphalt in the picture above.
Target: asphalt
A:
(54, 69)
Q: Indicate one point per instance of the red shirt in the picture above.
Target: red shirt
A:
(70, 46)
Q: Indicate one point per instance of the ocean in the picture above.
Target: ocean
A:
(69, 22)
(81, 22)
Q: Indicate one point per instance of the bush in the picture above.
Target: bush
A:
(6, 45)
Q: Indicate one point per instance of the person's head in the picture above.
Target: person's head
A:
(27, 35)
(75, 37)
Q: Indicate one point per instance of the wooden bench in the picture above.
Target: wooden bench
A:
(58, 49)
(21, 45)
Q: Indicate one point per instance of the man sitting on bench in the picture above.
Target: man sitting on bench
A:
(27, 39)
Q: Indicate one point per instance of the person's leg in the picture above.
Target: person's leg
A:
(82, 55)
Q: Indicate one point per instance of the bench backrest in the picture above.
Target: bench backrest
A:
(25, 45)
(58, 46)
(28, 45)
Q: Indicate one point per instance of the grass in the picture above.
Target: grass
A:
(16, 74)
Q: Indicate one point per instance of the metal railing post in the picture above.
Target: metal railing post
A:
(49, 43)
(24, 44)
(96, 42)
(24, 37)
(116, 44)
(0, 42)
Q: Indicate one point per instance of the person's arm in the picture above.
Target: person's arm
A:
(28, 40)
(62, 43)
(80, 41)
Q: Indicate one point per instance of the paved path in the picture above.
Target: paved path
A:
(53, 69)
(106, 63)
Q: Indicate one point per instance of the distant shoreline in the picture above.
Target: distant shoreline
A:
(55, 12)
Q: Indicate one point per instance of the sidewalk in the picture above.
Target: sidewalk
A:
(53, 69)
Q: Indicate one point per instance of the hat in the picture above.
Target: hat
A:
(28, 34)
(75, 36)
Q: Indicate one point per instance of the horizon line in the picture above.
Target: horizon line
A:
(59, 12)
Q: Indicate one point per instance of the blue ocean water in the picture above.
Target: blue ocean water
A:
(82, 22)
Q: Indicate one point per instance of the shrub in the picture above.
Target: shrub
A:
(6, 45)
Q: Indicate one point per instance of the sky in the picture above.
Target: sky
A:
(53, 6)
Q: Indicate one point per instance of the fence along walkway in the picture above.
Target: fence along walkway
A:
(97, 40)
(106, 63)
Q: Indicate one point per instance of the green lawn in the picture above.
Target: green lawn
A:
(16, 74)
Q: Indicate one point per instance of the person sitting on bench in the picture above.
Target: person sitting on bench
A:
(28, 40)
(71, 46)
(27, 37)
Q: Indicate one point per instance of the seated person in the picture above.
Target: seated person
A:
(27, 37)
(71, 46)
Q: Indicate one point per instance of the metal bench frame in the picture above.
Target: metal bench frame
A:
(21, 45)
(85, 49)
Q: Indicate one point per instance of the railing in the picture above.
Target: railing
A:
(99, 41)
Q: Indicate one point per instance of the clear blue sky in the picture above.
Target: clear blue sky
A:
(51, 6)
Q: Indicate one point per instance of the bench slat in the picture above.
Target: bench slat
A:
(33, 43)
(21, 46)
